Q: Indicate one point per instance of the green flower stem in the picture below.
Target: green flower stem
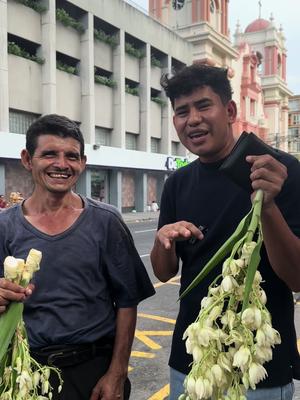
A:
(257, 206)
(223, 251)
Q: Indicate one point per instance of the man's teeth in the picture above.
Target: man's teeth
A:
(197, 134)
(56, 175)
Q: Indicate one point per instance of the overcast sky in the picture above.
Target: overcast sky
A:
(285, 12)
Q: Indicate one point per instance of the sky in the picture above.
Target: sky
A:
(285, 12)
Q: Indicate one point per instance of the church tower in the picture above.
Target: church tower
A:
(204, 23)
(268, 46)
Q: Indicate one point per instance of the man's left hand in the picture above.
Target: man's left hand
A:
(109, 387)
(267, 174)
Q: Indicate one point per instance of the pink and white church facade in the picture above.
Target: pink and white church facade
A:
(256, 61)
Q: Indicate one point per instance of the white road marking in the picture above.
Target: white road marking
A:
(146, 230)
(145, 255)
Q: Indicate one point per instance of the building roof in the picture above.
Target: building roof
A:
(259, 24)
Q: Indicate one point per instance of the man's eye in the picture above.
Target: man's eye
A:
(49, 155)
(73, 157)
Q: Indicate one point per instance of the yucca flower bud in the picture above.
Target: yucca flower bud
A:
(228, 284)
(191, 383)
(33, 260)
(272, 336)
(242, 358)
(256, 374)
(13, 267)
(247, 250)
(251, 318)
(197, 353)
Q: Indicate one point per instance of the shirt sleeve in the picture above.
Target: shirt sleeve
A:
(127, 277)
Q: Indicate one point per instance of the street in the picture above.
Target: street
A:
(148, 370)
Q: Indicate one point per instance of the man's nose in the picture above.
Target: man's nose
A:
(61, 161)
(195, 117)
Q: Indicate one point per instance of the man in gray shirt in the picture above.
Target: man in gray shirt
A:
(81, 316)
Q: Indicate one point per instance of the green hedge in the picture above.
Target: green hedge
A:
(13, 48)
(132, 90)
(99, 34)
(103, 80)
(35, 5)
(67, 20)
(159, 101)
(66, 68)
(131, 50)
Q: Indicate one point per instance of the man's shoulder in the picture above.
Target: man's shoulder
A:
(7, 213)
(104, 208)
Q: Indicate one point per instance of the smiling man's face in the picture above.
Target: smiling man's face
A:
(203, 124)
(56, 163)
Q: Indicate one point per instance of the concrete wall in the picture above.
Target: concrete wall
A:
(24, 83)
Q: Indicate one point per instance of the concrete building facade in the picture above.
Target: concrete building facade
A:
(99, 63)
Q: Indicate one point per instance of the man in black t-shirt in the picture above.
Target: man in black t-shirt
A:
(199, 195)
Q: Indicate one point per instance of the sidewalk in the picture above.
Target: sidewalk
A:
(140, 216)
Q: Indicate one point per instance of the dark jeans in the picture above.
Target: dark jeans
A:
(81, 378)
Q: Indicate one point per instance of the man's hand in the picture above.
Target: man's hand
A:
(10, 291)
(109, 387)
(267, 174)
(181, 230)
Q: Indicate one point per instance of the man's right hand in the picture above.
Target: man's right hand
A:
(10, 291)
(181, 230)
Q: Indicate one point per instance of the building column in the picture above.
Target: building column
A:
(283, 74)
(166, 131)
(115, 189)
(48, 52)
(118, 134)
(83, 185)
(2, 179)
(145, 101)
(4, 99)
(140, 195)
(87, 79)
(159, 186)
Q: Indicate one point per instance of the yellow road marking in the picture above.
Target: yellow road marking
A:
(171, 281)
(158, 333)
(142, 354)
(147, 341)
(157, 318)
(298, 343)
(161, 394)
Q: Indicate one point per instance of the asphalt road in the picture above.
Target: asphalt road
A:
(156, 316)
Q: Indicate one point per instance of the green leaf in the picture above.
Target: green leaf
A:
(8, 324)
(225, 249)
(252, 267)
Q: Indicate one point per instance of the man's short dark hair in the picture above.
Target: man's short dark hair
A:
(195, 76)
(53, 124)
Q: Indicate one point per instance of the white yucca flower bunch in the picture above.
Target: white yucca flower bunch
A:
(232, 336)
(21, 377)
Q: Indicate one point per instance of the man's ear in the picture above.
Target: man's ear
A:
(231, 111)
(26, 160)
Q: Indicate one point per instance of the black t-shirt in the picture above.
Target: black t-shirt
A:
(201, 194)
(87, 272)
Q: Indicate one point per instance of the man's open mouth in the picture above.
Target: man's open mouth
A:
(58, 175)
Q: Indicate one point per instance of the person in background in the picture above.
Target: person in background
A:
(200, 208)
(81, 316)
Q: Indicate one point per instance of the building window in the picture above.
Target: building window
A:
(155, 145)
(296, 119)
(102, 136)
(175, 148)
(19, 121)
(131, 141)
(252, 108)
(99, 185)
